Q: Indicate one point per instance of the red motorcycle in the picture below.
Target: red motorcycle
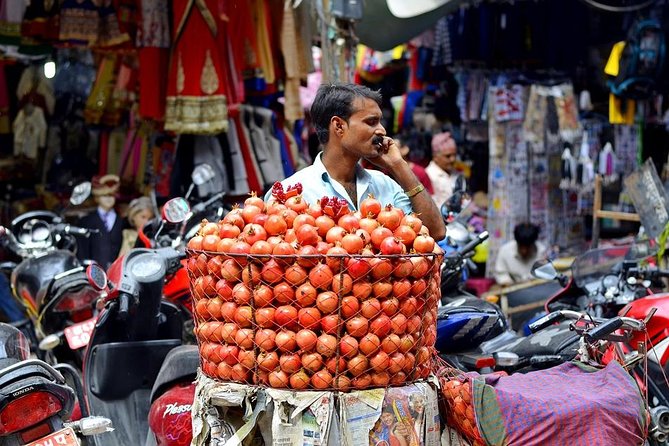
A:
(614, 284)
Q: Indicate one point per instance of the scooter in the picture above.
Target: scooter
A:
(50, 282)
(36, 402)
(133, 335)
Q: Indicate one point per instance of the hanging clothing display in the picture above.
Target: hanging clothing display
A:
(153, 42)
(11, 14)
(29, 132)
(91, 23)
(196, 96)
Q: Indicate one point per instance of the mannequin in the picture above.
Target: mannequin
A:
(104, 246)
(140, 211)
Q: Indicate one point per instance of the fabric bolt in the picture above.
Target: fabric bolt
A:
(196, 96)
(30, 130)
(317, 184)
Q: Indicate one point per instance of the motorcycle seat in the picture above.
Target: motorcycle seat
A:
(554, 340)
(181, 363)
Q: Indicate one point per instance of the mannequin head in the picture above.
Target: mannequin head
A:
(105, 202)
(140, 210)
(104, 190)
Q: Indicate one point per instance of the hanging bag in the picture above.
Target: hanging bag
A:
(641, 62)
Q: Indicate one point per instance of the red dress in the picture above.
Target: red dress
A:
(196, 88)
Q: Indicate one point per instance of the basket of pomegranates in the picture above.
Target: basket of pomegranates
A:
(290, 294)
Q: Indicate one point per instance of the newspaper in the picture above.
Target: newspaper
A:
(451, 437)
(300, 418)
(359, 412)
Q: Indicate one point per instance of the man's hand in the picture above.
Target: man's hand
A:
(389, 155)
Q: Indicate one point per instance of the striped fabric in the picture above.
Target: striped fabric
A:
(569, 404)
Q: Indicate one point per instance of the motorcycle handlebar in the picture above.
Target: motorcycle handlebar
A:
(205, 204)
(545, 321)
(123, 306)
(76, 230)
(474, 243)
(603, 329)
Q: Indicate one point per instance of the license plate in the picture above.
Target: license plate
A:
(79, 335)
(64, 437)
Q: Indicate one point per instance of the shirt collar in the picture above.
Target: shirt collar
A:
(361, 173)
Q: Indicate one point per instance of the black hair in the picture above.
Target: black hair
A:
(526, 234)
(337, 100)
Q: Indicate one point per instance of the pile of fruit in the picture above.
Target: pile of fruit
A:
(458, 397)
(295, 295)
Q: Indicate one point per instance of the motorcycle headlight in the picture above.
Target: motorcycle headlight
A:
(147, 267)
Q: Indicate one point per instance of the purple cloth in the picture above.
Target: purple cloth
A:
(559, 406)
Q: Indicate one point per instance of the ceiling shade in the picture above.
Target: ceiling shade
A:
(388, 23)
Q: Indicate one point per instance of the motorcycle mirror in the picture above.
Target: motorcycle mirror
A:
(50, 342)
(96, 276)
(458, 232)
(202, 173)
(80, 193)
(176, 210)
(544, 269)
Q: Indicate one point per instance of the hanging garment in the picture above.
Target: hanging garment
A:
(621, 111)
(207, 150)
(4, 103)
(11, 15)
(261, 20)
(266, 147)
(535, 118)
(153, 41)
(35, 88)
(91, 23)
(290, 48)
(99, 106)
(196, 99)
(252, 171)
(41, 20)
(567, 111)
(29, 132)
(241, 185)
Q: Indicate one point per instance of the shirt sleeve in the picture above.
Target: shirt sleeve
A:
(501, 270)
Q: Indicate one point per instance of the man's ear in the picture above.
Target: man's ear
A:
(338, 125)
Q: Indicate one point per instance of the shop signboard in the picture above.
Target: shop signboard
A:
(649, 197)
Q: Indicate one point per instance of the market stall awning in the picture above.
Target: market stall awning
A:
(388, 23)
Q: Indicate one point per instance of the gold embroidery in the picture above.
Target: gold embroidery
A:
(196, 114)
(209, 77)
(181, 77)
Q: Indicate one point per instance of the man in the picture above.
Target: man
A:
(441, 169)
(347, 120)
(103, 246)
(515, 258)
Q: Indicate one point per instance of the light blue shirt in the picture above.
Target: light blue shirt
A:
(317, 183)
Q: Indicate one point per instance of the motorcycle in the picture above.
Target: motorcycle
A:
(135, 332)
(50, 283)
(36, 402)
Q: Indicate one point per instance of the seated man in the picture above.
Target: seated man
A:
(347, 119)
(516, 257)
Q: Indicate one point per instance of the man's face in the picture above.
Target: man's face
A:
(525, 251)
(446, 157)
(363, 126)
